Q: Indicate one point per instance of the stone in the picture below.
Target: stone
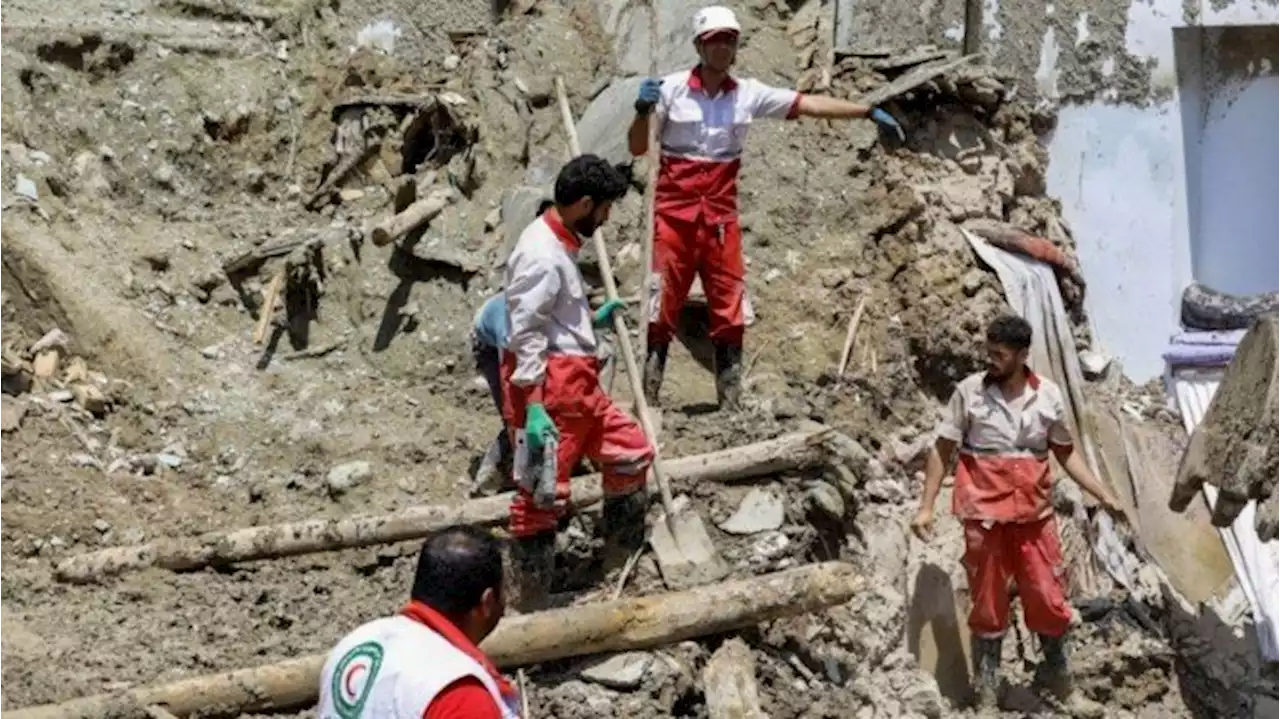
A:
(23, 186)
(12, 411)
(451, 62)
(345, 476)
(101, 526)
(886, 490)
(46, 363)
(628, 25)
(1094, 365)
(924, 698)
(824, 499)
(602, 127)
(519, 208)
(729, 683)
(622, 672)
(760, 511)
(53, 339)
(769, 547)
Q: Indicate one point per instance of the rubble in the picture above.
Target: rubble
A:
(180, 175)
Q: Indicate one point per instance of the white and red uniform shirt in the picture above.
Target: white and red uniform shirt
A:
(702, 140)
(1004, 474)
(397, 667)
(547, 307)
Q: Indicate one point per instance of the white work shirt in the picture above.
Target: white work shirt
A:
(703, 137)
(547, 309)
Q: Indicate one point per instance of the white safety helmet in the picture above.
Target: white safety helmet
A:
(716, 18)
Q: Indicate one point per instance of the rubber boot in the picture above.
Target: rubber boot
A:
(655, 366)
(530, 567)
(1053, 677)
(986, 671)
(728, 376)
(623, 519)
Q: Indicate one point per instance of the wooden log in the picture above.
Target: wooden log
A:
(729, 683)
(624, 625)
(912, 80)
(413, 217)
(268, 310)
(784, 453)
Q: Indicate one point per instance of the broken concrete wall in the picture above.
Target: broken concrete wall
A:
(1126, 157)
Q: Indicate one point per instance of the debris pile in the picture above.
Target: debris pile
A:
(197, 211)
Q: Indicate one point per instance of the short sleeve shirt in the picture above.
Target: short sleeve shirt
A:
(980, 419)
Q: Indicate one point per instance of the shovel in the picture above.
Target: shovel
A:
(686, 555)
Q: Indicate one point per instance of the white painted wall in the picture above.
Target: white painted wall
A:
(1234, 245)
(1112, 166)
(1121, 172)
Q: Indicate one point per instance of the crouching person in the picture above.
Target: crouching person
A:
(552, 396)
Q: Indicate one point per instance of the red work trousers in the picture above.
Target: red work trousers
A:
(712, 251)
(1028, 552)
(590, 425)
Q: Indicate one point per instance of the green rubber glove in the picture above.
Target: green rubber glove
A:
(538, 426)
(604, 316)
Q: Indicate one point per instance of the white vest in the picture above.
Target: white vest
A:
(392, 668)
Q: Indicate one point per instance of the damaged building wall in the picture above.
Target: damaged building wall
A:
(1138, 142)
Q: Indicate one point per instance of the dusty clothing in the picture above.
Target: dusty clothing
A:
(1030, 554)
(551, 359)
(406, 666)
(696, 197)
(1003, 493)
(1003, 473)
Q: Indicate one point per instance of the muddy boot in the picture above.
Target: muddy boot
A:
(655, 365)
(529, 569)
(986, 671)
(1053, 678)
(728, 376)
(623, 519)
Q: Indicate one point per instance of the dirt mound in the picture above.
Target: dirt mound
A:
(171, 165)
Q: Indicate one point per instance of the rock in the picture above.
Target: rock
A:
(61, 395)
(23, 186)
(101, 526)
(824, 499)
(451, 62)
(519, 208)
(169, 459)
(53, 339)
(12, 411)
(1094, 365)
(90, 398)
(628, 25)
(769, 547)
(923, 698)
(886, 490)
(211, 352)
(345, 476)
(46, 363)
(623, 672)
(729, 683)
(602, 128)
(164, 175)
(760, 511)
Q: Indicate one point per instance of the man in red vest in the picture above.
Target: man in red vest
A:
(703, 117)
(1006, 422)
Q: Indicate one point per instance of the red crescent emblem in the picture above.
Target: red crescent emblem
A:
(349, 679)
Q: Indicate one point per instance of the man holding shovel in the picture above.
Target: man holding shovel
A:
(703, 116)
(552, 396)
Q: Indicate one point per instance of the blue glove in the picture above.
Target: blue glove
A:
(650, 94)
(886, 121)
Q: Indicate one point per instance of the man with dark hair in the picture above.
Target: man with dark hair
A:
(1006, 421)
(551, 381)
(425, 662)
(703, 116)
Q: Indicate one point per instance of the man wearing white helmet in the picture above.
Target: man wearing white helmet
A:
(703, 117)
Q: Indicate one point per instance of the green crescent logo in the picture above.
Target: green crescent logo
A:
(353, 678)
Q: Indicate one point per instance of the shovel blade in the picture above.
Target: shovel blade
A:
(686, 555)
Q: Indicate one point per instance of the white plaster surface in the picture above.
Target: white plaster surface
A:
(1235, 248)
(1112, 167)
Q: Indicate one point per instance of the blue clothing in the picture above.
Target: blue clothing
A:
(491, 322)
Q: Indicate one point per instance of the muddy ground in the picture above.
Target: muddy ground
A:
(162, 140)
